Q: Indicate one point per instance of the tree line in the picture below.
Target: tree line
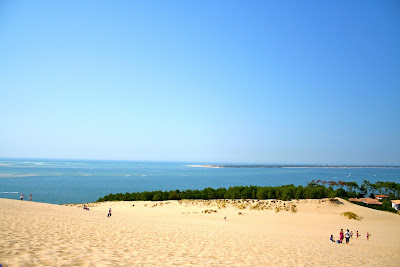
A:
(314, 190)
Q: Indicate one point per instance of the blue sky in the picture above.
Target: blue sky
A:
(224, 81)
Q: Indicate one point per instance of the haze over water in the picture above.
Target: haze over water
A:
(78, 181)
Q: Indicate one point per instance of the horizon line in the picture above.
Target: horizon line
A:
(207, 162)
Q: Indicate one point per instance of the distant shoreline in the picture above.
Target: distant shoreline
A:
(292, 166)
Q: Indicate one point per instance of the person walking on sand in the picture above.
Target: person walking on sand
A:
(109, 213)
(30, 197)
(347, 236)
(22, 196)
(357, 234)
(341, 235)
(368, 235)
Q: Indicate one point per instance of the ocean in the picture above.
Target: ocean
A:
(80, 181)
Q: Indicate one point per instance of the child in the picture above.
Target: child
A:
(109, 213)
(331, 239)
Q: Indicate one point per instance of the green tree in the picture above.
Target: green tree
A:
(262, 193)
(299, 193)
(158, 196)
(271, 193)
(351, 186)
(341, 193)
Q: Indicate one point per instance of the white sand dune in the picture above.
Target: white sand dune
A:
(178, 233)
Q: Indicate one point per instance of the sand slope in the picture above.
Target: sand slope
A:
(178, 233)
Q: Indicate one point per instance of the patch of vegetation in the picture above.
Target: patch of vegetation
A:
(293, 209)
(208, 211)
(335, 201)
(386, 206)
(241, 206)
(285, 192)
(351, 215)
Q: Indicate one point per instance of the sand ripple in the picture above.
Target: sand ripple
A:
(37, 234)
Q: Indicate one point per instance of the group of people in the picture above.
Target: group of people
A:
(22, 196)
(347, 235)
(87, 208)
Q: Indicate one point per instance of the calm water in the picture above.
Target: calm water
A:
(62, 182)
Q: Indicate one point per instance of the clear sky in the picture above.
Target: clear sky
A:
(210, 81)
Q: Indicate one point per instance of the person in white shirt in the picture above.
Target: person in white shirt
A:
(347, 236)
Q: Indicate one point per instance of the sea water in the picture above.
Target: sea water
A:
(80, 181)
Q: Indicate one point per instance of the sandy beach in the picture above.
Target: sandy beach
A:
(195, 233)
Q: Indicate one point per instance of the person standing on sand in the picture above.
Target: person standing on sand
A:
(347, 236)
(30, 197)
(357, 234)
(109, 213)
(341, 236)
(368, 236)
(22, 196)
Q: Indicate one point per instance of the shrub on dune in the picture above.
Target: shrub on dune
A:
(351, 215)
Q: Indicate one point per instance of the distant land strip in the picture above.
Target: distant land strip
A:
(292, 166)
